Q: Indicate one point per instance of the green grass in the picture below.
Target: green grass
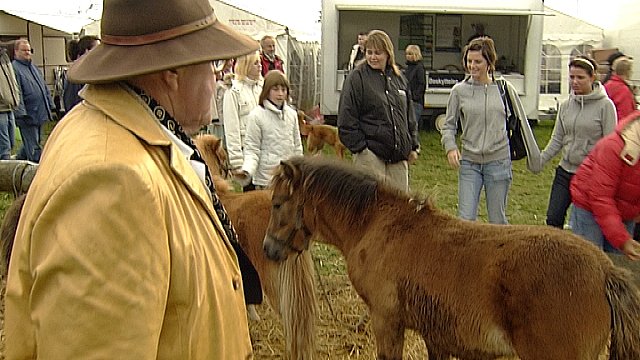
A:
(528, 196)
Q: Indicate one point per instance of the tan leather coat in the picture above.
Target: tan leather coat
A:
(119, 254)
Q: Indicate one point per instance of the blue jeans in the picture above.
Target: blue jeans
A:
(7, 135)
(30, 149)
(495, 177)
(585, 225)
(417, 108)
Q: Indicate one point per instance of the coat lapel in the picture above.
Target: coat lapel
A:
(116, 101)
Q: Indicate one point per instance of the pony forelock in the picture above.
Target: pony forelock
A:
(328, 181)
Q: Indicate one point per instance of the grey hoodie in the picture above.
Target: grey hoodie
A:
(481, 113)
(582, 120)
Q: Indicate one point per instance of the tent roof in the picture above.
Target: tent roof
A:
(68, 23)
(562, 28)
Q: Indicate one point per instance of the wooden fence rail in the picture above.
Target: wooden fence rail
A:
(16, 175)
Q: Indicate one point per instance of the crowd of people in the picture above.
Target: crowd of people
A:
(157, 263)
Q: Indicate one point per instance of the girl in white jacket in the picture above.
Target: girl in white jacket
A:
(272, 133)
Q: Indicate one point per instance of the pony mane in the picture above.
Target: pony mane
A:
(350, 187)
(214, 155)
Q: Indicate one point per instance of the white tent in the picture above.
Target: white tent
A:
(564, 36)
(566, 31)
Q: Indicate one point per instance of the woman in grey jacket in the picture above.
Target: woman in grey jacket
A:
(582, 120)
(485, 160)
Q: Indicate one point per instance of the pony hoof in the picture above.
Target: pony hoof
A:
(362, 322)
(253, 313)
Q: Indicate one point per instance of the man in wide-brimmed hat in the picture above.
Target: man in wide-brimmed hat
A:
(120, 252)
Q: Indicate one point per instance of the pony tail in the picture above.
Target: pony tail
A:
(298, 305)
(624, 301)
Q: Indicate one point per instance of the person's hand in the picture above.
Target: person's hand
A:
(535, 166)
(631, 249)
(241, 177)
(413, 157)
(453, 156)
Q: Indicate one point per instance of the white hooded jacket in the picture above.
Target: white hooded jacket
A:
(272, 135)
(237, 104)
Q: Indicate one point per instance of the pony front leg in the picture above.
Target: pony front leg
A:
(389, 333)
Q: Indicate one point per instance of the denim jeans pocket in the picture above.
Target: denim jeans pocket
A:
(498, 170)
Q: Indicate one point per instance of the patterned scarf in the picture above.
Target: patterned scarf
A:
(172, 125)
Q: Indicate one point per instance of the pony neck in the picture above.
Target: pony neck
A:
(222, 185)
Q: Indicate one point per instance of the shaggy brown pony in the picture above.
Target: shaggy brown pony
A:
(472, 290)
(319, 135)
(288, 285)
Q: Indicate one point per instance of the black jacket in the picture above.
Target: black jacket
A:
(417, 80)
(375, 112)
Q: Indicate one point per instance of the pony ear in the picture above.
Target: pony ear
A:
(221, 154)
(291, 174)
(287, 168)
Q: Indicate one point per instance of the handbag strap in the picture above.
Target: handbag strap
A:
(506, 99)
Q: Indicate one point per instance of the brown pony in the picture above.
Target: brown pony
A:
(288, 285)
(319, 135)
(471, 290)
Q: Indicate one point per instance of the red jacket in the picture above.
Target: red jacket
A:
(621, 95)
(609, 187)
(276, 64)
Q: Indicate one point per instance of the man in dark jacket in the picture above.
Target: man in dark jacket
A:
(36, 104)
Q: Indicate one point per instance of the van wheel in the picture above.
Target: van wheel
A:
(440, 122)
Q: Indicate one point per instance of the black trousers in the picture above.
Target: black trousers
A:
(559, 198)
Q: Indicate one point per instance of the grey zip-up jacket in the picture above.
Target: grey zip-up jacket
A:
(582, 120)
(483, 115)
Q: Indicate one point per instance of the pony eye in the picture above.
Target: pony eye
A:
(276, 206)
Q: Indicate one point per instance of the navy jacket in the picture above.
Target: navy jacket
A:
(417, 79)
(375, 112)
(37, 103)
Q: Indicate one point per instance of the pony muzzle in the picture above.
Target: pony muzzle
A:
(273, 249)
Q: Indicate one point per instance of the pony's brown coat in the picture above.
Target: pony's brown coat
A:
(319, 135)
(474, 291)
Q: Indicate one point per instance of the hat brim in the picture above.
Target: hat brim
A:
(108, 63)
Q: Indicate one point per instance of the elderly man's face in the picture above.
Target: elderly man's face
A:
(23, 51)
(269, 46)
(191, 101)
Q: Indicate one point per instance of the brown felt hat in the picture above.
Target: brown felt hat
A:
(144, 36)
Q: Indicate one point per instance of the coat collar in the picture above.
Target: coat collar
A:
(124, 107)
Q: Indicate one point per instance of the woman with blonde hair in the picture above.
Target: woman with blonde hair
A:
(376, 121)
(417, 80)
(237, 103)
(618, 89)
